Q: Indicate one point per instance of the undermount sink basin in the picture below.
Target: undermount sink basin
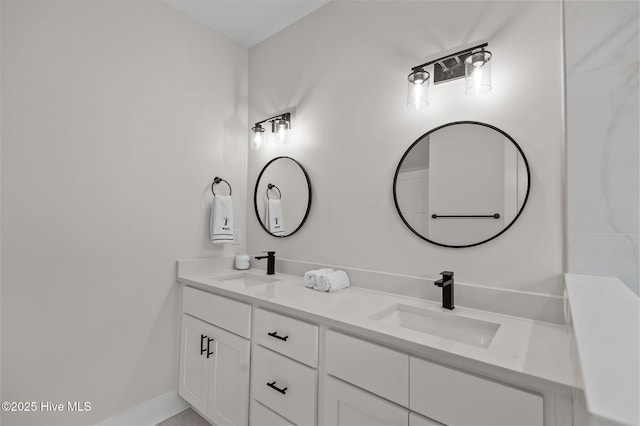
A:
(246, 279)
(442, 324)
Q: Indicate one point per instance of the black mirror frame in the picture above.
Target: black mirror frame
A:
(526, 198)
(255, 197)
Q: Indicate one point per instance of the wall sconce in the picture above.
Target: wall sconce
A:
(472, 63)
(280, 126)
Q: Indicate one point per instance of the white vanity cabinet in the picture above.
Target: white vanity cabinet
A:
(246, 362)
(214, 363)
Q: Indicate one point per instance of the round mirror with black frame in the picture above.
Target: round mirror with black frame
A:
(461, 184)
(282, 197)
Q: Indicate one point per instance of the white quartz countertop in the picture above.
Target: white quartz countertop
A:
(606, 321)
(522, 351)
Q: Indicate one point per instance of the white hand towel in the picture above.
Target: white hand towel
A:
(221, 223)
(275, 223)
(333, 281)
(310, 277)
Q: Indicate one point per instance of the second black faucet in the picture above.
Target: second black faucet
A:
(446, 282)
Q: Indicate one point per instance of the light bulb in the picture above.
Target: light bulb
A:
(477, 79)
(478, 73)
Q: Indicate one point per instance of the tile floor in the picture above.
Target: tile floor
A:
(186, 418)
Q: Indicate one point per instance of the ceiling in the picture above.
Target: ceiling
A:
(247, 22)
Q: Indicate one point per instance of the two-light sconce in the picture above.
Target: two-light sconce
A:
(280, 126)
(472, 63)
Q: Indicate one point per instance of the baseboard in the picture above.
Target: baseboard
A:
(151, 412)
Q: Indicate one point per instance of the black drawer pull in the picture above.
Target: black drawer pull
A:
(275, 334)
(208, 352)
(273, 386)
(202, 348)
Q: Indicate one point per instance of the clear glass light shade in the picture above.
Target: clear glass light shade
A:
(418, 89)
(478, 73)
(257, 137)
(281, 130)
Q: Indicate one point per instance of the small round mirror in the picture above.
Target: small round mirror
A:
(461, 184)
(282, 197)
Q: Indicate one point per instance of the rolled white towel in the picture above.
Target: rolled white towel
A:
(332, 281)
(310, 277)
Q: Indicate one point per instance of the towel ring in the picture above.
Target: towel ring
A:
(217, 180)
(270, 187)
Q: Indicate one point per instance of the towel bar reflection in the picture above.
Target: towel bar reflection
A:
(272, 186)
(492, 216)
(216, 181)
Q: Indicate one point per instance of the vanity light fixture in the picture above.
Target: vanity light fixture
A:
(280, 126)
(472, 63)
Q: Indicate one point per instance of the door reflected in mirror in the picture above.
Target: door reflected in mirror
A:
(461, 184)
(282, 197)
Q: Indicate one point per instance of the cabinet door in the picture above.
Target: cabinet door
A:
(228, 379)
(194, 365)
(347, 405)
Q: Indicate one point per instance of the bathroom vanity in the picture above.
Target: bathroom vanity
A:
(265, 350)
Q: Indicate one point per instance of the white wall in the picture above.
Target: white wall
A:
(116, 116)
(603, 131)
(343, 69)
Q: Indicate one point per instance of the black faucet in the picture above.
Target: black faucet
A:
(271, 261)
(447, 289)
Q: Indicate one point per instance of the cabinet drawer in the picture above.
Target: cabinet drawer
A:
(372, 367)
(458, 398)
(231, 315)
(291, 337)
(298, 402)
(223, 312)
(196, 303)
(262, 416)
(348, 405)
